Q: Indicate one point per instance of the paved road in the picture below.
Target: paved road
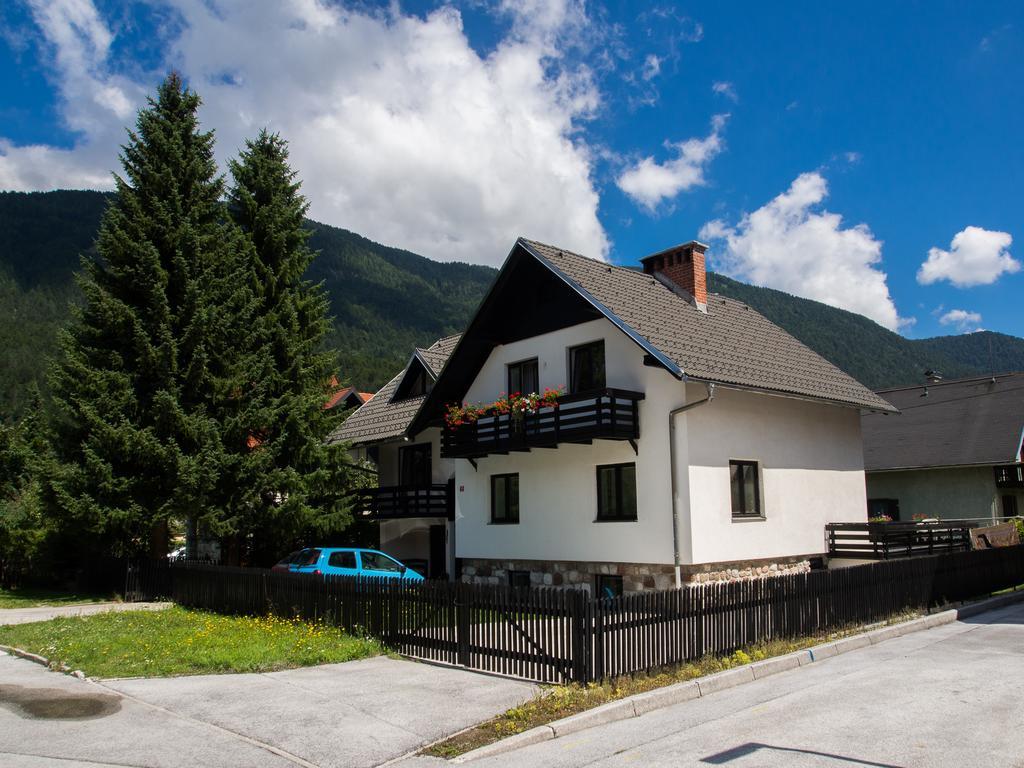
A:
(949, 696)
(362, 713)
(45, 613)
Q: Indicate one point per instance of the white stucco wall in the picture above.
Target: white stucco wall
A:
(954, 493)
(810, 456)
(558, 488)
(811, 472)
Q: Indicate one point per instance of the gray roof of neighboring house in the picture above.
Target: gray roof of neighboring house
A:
(949, 423)
(729, 344)
(380, 418)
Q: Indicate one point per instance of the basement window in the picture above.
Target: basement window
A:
(745, 490)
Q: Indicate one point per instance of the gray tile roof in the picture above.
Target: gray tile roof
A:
(380, 419)
(729, 344)
(964, 422)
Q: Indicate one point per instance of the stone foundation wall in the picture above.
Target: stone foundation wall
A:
(636, 577)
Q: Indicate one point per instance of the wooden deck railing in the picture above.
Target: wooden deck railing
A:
(885, 541)
(396, 502)
(607, 414)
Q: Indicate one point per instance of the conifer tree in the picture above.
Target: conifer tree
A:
(299, 479)
(137, 440)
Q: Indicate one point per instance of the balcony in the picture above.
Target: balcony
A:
(607, 414)
(398, 502)
(1010, 476)
(887, 541)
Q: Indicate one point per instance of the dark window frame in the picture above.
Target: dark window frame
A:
(603, 515)
(519, 365)
(405, 451)
(601, 579)
(507, 519)
(574, 385)
(745, 512)
(521, 576)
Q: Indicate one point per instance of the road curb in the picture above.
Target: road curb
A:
(642, 703)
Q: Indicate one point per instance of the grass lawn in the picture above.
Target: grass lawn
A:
(33, 598)
(177, 641)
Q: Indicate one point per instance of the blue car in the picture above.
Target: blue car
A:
(346, 561)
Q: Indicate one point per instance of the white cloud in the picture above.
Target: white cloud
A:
(976, 257)
(792, 245)
(964, 320)
(399, 129)
(727, 89)
(650, 183)
(651, 67)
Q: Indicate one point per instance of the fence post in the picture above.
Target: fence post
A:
(580, 628)
(462, 623)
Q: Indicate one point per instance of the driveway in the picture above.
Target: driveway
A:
(949, 696)
(47, 612)
(362, 713)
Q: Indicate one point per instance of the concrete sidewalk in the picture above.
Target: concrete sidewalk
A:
(47, 612)
(361, 713)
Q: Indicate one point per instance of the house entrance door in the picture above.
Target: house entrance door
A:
(438, 552)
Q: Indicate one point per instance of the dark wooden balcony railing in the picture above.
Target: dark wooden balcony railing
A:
(607, 414)
(396, 502)
(887, 541)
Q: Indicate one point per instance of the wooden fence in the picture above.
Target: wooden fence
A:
(561, 635)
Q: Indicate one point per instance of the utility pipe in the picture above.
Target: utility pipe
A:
(672, 473)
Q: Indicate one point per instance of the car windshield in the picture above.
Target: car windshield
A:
(288, 559)
(375, 561)
(306, 557)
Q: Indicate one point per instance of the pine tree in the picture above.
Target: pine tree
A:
(137, 441)
(300, 479)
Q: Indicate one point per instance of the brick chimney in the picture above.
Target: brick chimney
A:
(682, 267)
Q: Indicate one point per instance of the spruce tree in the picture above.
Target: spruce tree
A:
(137, 440)
(300, 480)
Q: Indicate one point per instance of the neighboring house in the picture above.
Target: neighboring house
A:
(346, 397)
(954, 452)
(415, 499)
(694, 440)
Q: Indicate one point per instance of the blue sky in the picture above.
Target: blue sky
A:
(868, 156)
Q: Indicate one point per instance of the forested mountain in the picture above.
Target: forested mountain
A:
(386, 300)
(870, 353)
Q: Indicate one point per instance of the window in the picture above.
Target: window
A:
(415, 383)
(616, 492)
(746, 495)
(378, 561)
(609, 586)
(504, 498)
(414, 464)
(342, 559)
(519, 579)
(586, 367)
(523, 377)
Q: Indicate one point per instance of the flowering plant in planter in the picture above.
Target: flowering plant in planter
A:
(880, 519)
(517, 405)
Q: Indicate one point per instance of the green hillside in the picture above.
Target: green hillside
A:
(386, 300)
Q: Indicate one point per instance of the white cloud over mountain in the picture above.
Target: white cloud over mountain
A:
(976, 257)
(964, 320)
(399, 129)
(792, 244)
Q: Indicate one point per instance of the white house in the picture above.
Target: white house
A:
(693, 439)
(954, 452)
